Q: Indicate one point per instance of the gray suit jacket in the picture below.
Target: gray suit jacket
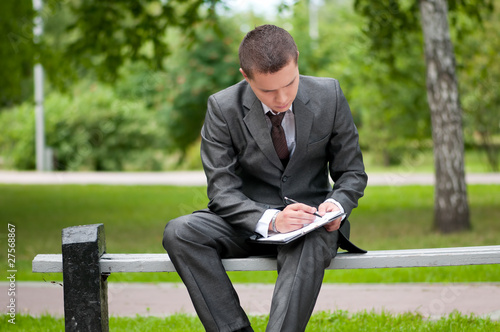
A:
(245, 176)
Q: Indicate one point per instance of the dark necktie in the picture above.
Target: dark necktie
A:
(278, 136)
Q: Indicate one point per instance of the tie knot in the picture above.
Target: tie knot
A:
(276, 119)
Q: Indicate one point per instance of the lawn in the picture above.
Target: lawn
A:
(388, 217)
(323, 321)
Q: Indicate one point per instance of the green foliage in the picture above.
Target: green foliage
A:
(90, 37)
(138, 82)
(389, 21)
(16, 51)
(479, 69)
(93, 130)
(386, 23)
(179, 93)
(387, 99)
(194, 73)
(397, 118)
(392, 102)
(109, 33)
(61, 72)
(107, 129)
(17, 144)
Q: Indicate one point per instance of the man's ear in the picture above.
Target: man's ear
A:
(244, 75)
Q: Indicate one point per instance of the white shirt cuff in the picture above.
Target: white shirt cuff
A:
(331, 200)
(263, 224)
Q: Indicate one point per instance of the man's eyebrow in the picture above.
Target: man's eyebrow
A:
(264, 90)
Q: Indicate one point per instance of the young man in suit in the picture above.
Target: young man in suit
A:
(252, 163)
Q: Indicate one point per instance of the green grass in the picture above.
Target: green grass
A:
(322, 321)
(134, 217)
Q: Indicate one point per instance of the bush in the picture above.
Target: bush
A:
(17, 139)
(92, 130)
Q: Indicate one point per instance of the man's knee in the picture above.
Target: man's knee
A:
(173, 232)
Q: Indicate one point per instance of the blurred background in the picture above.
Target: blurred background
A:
(122, 86)
(126, 83)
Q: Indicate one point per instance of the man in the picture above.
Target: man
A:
(249, 173)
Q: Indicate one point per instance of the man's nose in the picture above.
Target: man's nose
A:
(280, 97)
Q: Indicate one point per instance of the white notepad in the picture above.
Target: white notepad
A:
(282, 238)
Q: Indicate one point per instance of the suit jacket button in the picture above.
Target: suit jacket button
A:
(284, 179)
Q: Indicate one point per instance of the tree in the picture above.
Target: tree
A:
(390, 20)
(451, 209)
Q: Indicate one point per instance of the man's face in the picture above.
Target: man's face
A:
(277, 90)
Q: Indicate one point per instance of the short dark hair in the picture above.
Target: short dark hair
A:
(266, 49)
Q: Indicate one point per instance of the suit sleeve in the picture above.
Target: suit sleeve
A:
(220, 163)
(346, 161)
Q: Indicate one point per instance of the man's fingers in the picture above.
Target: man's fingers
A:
(334, 225)
(327, 207)
(301, 207)
(299, 217)
(295, 216)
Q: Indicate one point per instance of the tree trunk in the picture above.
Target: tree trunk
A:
(451, 209)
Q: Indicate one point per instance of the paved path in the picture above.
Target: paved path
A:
(197, 178)
(131, 299)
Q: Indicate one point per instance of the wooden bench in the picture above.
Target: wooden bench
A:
(86, 265)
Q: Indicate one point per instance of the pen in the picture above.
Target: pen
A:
(292, 201)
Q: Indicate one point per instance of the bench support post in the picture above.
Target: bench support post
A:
(85, 289)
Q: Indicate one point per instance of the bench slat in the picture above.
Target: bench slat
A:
(112, 263)
(47, 263)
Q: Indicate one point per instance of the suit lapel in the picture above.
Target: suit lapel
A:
(303, 123)
(256, 123)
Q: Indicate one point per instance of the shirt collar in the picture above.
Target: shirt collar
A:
(268, 109)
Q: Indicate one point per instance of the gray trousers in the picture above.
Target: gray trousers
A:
(196, 244)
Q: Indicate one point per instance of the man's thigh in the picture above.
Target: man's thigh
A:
(204, 227)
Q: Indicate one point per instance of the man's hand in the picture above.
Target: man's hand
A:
(293, 217)
(329, 207)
